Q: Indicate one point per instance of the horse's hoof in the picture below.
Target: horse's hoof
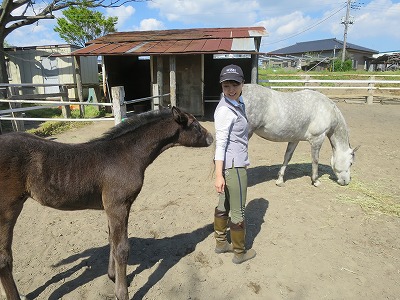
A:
(316, 183)
(280, 183)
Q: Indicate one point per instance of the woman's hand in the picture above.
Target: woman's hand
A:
(220, 184)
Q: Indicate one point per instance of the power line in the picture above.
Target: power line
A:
(308, 28)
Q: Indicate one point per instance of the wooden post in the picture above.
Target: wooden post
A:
(254, 68)
(119, 108)
(370, 97)
(307, 83)
(160, 78)
(104, 78)
(156, 100)
(18, 125)
(77, 63)
(66, 109)
(172, 79)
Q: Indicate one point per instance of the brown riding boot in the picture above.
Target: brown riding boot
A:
(238, 241)
(220, 228)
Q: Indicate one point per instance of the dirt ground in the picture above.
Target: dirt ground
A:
(311, 243)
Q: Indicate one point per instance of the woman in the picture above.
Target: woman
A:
(231, 160)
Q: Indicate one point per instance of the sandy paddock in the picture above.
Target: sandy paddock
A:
(311, 243)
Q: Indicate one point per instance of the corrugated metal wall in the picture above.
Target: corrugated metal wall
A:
(26, 66)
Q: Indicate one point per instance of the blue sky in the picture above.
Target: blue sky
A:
(376, 23)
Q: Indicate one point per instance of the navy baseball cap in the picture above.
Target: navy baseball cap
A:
(231, 72)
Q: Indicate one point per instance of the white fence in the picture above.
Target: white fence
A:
(15, 111)
(367, 88)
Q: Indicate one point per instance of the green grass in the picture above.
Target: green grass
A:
(283, 74)
(49, 128)
(334, 75)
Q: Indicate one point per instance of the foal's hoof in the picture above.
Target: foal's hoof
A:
(280, 182)
(112, 277)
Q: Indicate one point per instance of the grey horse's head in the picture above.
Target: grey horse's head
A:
(341, 163)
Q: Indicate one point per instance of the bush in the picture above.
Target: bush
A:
(339, 66)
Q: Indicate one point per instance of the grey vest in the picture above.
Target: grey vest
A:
(236, 153)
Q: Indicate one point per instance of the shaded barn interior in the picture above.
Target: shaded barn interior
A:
(134, 74)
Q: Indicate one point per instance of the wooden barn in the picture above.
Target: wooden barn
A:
(185, 63)
(50, 65)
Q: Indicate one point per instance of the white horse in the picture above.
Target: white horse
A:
(300, 116)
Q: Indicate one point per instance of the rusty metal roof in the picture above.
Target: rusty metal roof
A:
(178, 41)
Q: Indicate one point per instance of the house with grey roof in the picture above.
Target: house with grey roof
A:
(306, 55)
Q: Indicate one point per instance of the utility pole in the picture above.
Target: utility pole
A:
(346, 23)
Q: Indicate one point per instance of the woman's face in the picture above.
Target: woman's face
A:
(232, 89)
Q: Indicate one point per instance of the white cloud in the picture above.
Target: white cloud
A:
(122, 12)
(33, 36)
(151, 24)
(287, 25)
(39, 28)
(211, 12)
(284, 30)
(375, 26)
(287, 21)
(384, 23)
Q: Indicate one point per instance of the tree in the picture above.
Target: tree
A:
(33, 12)
(81, 25)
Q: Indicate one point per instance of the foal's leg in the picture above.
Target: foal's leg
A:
(288, 156)
(111, 261)
(8, 218)
(117, 215)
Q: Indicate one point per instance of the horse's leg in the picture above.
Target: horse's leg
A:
(315, 148)
(288, 156)
(8, 218)
(119, 247)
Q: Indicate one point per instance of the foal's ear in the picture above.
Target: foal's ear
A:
(179, 116)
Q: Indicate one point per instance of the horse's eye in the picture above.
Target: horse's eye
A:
(196, 125)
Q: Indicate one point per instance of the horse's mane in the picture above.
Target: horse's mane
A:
(135, 122)
(341, 126)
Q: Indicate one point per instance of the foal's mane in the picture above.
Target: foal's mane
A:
(135, 122)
